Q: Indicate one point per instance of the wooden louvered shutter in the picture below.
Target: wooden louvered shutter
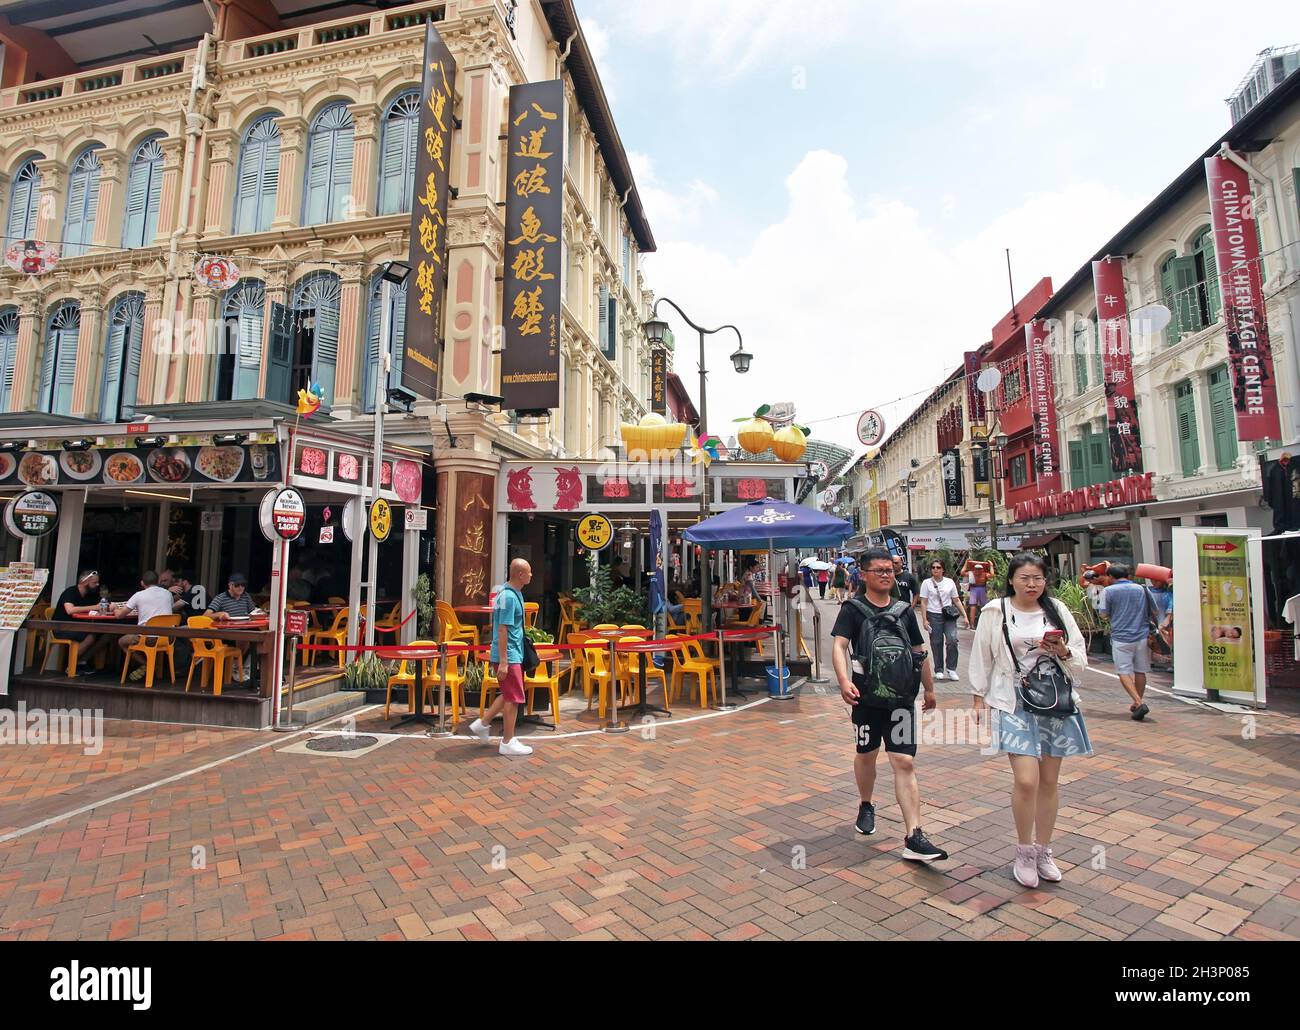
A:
(1078, 474)
(341, 172)
(1189, 450)
(137, 203)
(1213, 296)
(131, 374)
(1223, 423)
(8, 354)
(112, 394)
(74, 218)
(326, 346)
(374, 319)
(316, 201)
(397, 165)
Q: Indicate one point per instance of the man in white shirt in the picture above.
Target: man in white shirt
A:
(148, 602)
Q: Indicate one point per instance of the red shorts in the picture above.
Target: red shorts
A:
(512, 687)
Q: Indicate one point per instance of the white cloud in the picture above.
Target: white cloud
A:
(852, 302)
(669, 212)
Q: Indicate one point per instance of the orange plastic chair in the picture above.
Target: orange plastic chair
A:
(337, 635)
(405, 675)
(455, 685)
(153, 648)
(452, 628)
(36, 639)
(531, 608)
(215, 653)
(692, 662)
(546, 677)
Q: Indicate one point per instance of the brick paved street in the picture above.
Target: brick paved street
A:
(729, 826)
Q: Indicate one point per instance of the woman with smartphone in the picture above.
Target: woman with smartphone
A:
(1036, 625)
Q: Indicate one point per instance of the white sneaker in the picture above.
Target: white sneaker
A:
(514, 748)
(952, 675)
(479, 730)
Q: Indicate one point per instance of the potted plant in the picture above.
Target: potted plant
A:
(368, 673)
(422, 595)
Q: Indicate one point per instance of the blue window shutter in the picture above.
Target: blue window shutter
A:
(327, 347)
(112, 394)
(246, 303)
(143, 195)
(398, 154)
(399, 331)
(329, 166)
(24, 195)
(83, 202)
(373, 321)
(122, 358)
(318, 173)
(341, 174)
(602, 335)
(8, 354)
(259, 177)
(60, 362)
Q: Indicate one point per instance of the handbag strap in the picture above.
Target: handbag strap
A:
(1006, 635)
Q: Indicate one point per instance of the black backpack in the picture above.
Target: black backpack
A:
(884, 650)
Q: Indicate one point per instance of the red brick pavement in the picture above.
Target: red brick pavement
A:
(734, 827)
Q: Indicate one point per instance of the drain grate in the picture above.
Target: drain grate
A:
(341, 743)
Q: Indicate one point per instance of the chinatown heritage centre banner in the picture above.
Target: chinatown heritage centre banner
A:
(1241, 283)
(530, 364)
(426, 290)
(1042, 407)
(1117, 365)
(1226, 635)
(974, 395)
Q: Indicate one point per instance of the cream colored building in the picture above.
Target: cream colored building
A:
(275, 133)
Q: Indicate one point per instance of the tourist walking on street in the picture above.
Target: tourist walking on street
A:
(839, 583)
(879, 659)
(507, 655)
(940, 610)
(1128, 608)
(823, 577)
(906, 588)
(1013, 633)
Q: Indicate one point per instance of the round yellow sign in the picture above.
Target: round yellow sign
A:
(595, 532)
(381, 519)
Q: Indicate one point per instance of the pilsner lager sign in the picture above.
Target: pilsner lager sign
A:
(1228, 651)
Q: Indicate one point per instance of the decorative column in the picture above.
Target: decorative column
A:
(288, 197)
(352, 345)
(159, 340)
(53, 173)
(26, 385)
(200, 343)
(365, 160)
(108, 215)
(475, 244)
(86, 383)
(465, 524)
(222, 147)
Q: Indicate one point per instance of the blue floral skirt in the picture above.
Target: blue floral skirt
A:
(1040, 736)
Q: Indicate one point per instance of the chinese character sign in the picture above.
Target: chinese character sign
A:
(530, 364)
(426, 289)
(1042, 407)
(659, 380)
(1117, 367)
(1241, 281)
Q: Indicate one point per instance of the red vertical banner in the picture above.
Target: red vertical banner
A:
(974, 396)
(1117, 364)
(1236, 251)
(1042, 406)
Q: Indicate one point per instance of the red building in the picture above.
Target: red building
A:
(1011, 400)
(680, 406)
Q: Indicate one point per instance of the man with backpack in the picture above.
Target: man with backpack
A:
(880, 662)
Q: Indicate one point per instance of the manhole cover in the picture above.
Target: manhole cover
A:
(341, 743)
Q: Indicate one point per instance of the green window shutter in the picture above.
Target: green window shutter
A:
(1078, 474)
(1213, 298)
(1223, 421)
(1178, 283)
(1189, 450)
(1098, 459)
(1080, 358)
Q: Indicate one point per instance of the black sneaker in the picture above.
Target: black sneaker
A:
(917, 848)
(866, 824)
(1140, 712)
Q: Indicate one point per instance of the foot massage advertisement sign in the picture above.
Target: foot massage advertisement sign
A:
(1228, 647)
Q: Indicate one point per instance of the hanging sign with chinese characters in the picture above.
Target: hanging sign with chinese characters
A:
(1117, 363)
(426, 294)
(530, 364)
(1241, 281)
(1042, 406)
(659, 380)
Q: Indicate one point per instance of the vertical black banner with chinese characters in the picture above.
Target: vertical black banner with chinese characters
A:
(659, 380)
(426, 291)
(530, 365)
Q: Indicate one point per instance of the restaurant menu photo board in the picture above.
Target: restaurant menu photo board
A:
(169, 466)
(319, 463)
(20, 585)
(530, 363)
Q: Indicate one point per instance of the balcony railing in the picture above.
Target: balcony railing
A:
(70, 87)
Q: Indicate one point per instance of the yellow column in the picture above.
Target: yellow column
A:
(365, 166)
(351, 345)
(108, 213)
(172, 197)
(288, 198)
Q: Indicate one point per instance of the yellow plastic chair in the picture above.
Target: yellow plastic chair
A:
(546, 677)
(153, 648)
(753, 621)
(489, 687)
(215, 653)
(631, 660)
(597, 659)
(531, 610)
(693, 663)
(455, 686)
(391, 622)
(578, 664)
(405, 676)
(337, 635)
(568, 618)
(452, 629)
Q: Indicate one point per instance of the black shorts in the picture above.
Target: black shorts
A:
(897, 727)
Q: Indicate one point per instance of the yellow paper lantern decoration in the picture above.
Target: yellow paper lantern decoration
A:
(789, 443)
(755, 436)
(654, 437)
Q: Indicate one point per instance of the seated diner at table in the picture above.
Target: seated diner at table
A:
(234, 602)
(82, 598)
(149, 601)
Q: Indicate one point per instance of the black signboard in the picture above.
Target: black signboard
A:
(980, 462)
(950, 464)
(659, 380)
(530, 364)
(426, 292)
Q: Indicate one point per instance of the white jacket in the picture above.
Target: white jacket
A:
(992, 672)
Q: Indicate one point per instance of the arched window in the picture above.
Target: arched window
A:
(1177, 287)
(398, 153)
(259, 175)
(24, 195)
(59, 364)
(316, 351)
(143, 194)
(1080, 345)
(374, 321)
(122, 358)
(8, 354)
(328, 186)
(1208, 301)
(83, 204)
(239, 367)
(1098, 372)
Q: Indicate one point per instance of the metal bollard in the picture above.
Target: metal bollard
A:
(817, 648)
(442, 730)
(283, 726)
(614, 725)
(723, 704)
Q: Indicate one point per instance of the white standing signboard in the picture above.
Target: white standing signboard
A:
(20, 584)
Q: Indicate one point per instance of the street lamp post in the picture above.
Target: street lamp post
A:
(996, 448)
(740, 360)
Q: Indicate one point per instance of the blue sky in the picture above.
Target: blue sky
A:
(840, 179)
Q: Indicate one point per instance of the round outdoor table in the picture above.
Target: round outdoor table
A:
(641, 649)
(419, 655)
(731, 638)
